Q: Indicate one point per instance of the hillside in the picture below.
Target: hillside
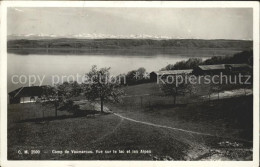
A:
(67, 43)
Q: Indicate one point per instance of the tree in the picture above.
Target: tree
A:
(141, 72)
(168, 67)
(193, 62)
(59, 94)
(191, 87)
(49, 97)
(99, 86)
(181, 65)
(174, 87)
(130, 77)
(136, 76)
(215, 88)
(245, 57)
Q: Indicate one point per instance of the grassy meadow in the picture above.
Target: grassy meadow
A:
(225, 126)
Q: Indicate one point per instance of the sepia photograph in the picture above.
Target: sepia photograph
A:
(130, 83)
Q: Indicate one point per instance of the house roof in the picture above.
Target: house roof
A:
(212, 67)
(239, 65)
(27, 91)
(222, 66)
(173, 72)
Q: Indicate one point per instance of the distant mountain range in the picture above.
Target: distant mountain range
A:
(87, 36)
(96, 36)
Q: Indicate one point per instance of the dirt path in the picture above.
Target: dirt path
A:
(161, 126)
(202, 152)
(172, 128)
(109, 132)
(229, 94)
(206, 152)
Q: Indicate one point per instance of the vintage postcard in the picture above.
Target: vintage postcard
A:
(129, 83)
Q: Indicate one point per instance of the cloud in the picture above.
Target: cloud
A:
(173, 22)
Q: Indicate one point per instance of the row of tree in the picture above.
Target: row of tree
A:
(245, 57)
(98, 89)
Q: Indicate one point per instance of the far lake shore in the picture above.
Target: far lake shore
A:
(193, 52)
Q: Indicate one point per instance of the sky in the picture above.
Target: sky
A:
(202, 23)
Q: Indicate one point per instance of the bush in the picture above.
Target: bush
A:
(70, 107)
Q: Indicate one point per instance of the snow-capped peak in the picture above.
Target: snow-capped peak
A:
(88, 36)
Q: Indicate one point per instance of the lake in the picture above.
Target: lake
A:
(47, 66)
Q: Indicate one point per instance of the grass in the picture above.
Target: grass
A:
(149, 96)
(105, 132)
(225, 119)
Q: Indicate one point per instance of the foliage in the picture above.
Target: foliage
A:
(245, 57)
(60, 94)
(189, 64)
(177, 87)
(99, 86)
(137, 76)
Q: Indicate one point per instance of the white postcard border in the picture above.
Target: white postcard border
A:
(143, 4)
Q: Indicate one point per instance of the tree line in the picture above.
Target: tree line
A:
(245, 57)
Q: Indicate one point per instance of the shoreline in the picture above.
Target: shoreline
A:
(201, 52)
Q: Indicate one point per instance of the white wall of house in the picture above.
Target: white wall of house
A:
(28, 99)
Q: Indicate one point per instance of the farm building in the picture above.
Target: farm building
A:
(221, 68)
(25, 94)
(209, 69)
(155, 74)
(240, 68)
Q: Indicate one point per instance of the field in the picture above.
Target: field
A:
(203, 130)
